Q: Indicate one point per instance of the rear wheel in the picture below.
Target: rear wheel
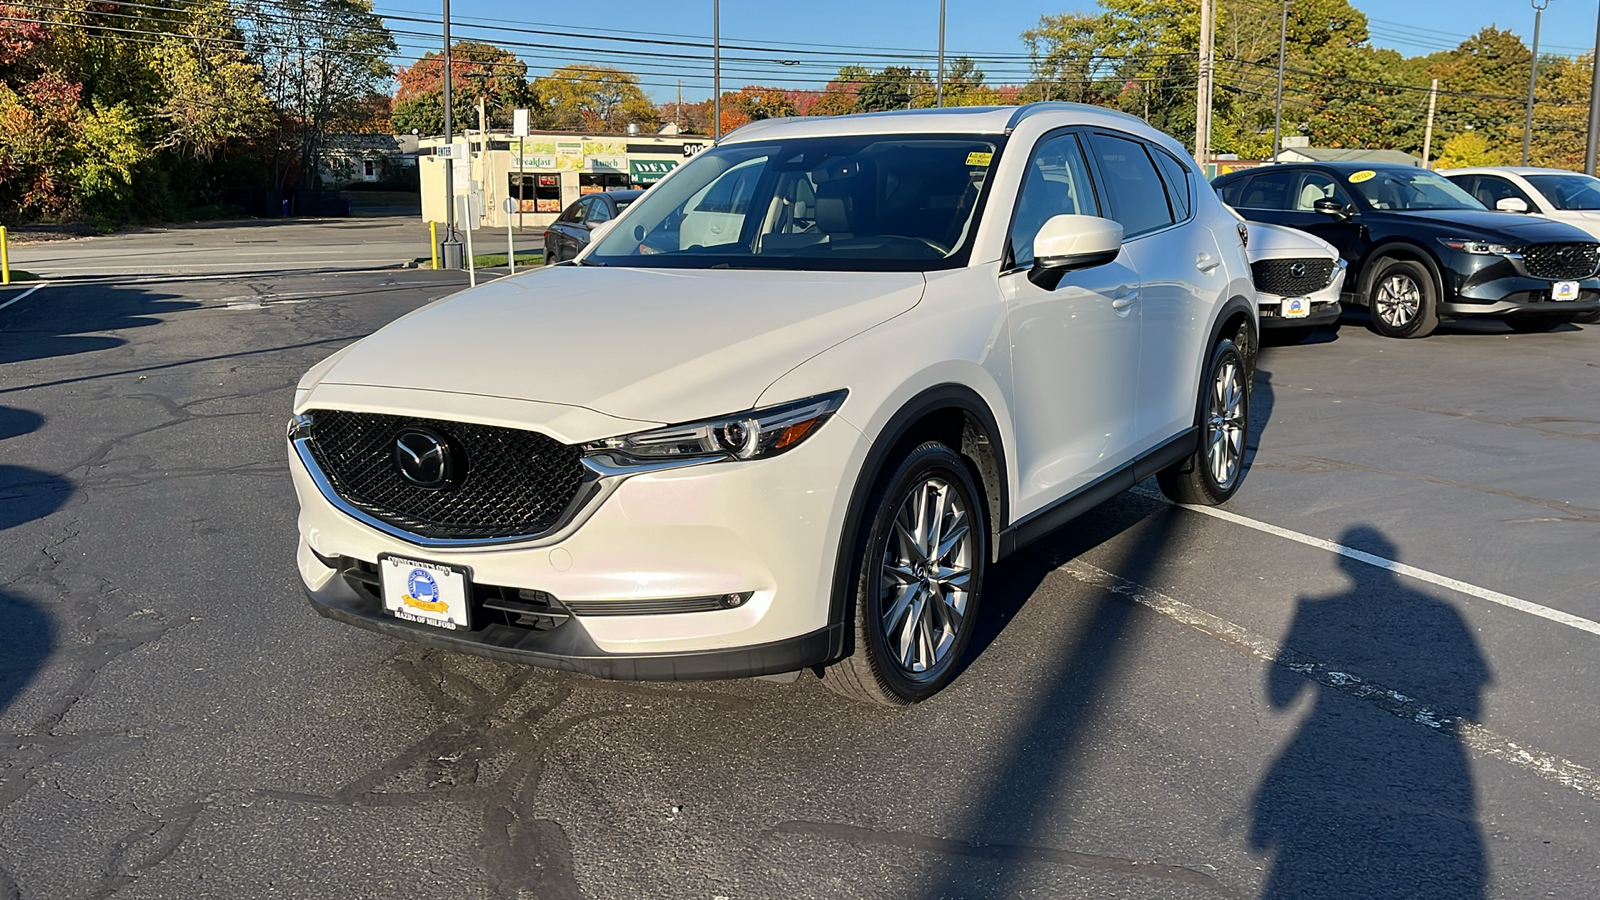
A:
(1536, 324)
(1403, 300)
(918, 582)
(1214, 472)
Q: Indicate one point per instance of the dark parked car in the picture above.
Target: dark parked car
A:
(1420, 248)
(569, 234)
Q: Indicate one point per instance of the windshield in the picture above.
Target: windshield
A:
(902, 203)
(1409, 189)
(1568, 191)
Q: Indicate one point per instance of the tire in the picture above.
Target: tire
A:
(909, 640)
(1589, 318)
(1214, 472)
(1537, 324)
(1403, 299)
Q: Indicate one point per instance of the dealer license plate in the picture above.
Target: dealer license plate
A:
(424, 592)
(1296, 308)
(1564, 290)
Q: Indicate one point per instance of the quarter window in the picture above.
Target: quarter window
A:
(1056, 184)
(1134, 191)
(1179, 183)
(598, 212)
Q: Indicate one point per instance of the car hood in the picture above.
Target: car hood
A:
(1269, 241)
(1510, 228)
(657, 345)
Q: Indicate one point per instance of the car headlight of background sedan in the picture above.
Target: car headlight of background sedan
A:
(1479, 248)
(752, 434)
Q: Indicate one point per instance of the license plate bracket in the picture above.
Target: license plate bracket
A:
(425, 592)
(1296, 307)
(1563, 291)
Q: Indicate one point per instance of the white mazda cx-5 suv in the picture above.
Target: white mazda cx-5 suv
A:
(786, 410)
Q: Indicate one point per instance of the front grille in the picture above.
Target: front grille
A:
(1278, 276)
(1561, 261)
(513, 483)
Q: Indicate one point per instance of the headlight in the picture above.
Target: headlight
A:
(1480, 248)
(754, 434)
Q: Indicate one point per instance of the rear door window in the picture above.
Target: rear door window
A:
(1133, 189)
(1269, 190)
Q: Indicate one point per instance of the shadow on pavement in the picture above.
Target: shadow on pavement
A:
(25, 494)
(1363, 803)
(63, 321)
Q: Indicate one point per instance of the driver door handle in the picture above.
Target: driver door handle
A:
(1205, 262)
(1122, 303)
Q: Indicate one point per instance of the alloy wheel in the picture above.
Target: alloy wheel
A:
(926, 578)
(1225, 423)
(1398, 301)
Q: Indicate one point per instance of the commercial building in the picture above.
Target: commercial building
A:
(527, 181)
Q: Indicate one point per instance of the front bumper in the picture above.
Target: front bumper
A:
(1482, 285)
(1322, 313)
(768, 529)
(569, 646)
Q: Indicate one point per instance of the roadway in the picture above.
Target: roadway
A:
(1162, 702)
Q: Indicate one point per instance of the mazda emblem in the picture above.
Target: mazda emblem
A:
(423, 457)
(1298, 270)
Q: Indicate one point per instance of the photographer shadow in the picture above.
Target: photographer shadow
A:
(1373, 796)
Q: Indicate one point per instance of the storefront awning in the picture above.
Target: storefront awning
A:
(649, 171)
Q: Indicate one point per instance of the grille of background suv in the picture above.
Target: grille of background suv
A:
(1276, 276)
(516, 483)
(1566, 261)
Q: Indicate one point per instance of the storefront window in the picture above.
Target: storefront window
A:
(536, 193)
(595, 182)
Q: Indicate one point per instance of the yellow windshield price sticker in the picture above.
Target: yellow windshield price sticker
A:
(1363, 175)
(976, 158)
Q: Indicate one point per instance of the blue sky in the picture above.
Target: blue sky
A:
(800, 44)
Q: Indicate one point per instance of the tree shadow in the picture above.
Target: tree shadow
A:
(1362, 802)
(62, 320)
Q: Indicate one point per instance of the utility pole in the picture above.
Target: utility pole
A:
(677, 111)
(1593, 147)
(1533, 78)
(938, 98)
(1202, 101)
(1427, 133)
(450, 248)
(716, 70)
(1277, 116)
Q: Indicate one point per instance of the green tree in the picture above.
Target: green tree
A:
(212, 90)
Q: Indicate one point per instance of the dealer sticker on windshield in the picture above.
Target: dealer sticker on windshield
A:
(979, 158)
(1564, 290)
(424, 592)
(1363, 175)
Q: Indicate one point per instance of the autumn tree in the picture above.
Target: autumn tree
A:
(479, 71)
(212, 93)
(594, 98)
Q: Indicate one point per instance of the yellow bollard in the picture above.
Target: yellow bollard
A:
(433, 241)
(5, 258)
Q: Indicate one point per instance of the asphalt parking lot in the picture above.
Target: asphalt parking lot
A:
(1162, 703)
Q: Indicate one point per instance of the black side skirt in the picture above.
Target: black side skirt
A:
(1038, 524)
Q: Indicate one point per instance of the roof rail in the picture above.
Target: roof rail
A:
(1043, 106)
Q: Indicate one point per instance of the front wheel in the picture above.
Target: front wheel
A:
(1214, 472)
(918, 582)
(1403, 300)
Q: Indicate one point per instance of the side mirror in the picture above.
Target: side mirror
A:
(1068, 243)
(1511, 204)
(1330, 207)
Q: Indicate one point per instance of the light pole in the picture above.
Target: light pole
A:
(1277, 116)
(1593, 146)
(716, 70)
(938, 91)
(1533, 78)
(450, 247)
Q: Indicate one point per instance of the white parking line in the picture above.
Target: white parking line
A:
(1399, 568)
(1546, 765)
(23, 295)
